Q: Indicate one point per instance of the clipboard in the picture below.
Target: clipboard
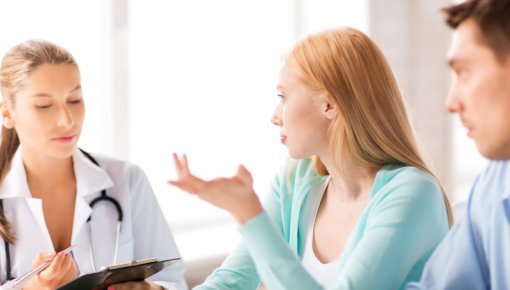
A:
(132, 271)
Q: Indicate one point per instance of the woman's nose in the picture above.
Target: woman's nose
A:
(276, 118)
(65, 120)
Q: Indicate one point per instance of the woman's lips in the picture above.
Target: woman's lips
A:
(65, 139)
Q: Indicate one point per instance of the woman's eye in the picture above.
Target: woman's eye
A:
(281, 97)
(42, 106)
(75, 101)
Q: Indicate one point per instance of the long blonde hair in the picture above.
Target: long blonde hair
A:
(373, 128)
(17, 65)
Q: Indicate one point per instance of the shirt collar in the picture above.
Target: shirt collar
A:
(90, 178)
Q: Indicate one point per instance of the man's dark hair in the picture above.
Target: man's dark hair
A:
(493, 19)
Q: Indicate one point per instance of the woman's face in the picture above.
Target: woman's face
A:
(303, 116)
(48, 112)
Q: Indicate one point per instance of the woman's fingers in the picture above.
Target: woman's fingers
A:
(184, 161)
(41, 258)
(177, 163)
(181, 164)
(185, 180)
(69, 268)
(61, 269)
(67, 264)
(53, 269)
(244, 175)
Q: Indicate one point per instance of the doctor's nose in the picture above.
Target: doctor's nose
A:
(65, 119)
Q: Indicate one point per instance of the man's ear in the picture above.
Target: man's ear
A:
(7, 121)
(329, 106)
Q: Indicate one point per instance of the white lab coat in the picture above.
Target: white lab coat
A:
(144, 233)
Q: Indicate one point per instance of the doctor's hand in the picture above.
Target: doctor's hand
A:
(61, 270)
(141, 285)
(234, 194)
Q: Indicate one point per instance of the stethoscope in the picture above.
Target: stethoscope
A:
(102, 197)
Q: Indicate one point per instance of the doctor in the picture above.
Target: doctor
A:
(53, 194)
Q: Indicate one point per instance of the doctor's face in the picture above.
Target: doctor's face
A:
(480, 92)
(48, 112)
(300, 116)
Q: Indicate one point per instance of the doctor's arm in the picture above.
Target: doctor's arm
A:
(153, 237)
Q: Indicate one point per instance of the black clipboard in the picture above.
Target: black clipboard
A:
(132, 271)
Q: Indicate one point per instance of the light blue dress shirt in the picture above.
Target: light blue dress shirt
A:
(476, 253)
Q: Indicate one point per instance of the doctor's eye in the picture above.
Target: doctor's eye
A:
(75, 101)
(42, 106)
(281, 97)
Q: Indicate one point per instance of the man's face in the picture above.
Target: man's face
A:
(480, 91)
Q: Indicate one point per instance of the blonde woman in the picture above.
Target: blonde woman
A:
(357, 207)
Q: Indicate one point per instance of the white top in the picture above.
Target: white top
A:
(144, 234)
(325, 274)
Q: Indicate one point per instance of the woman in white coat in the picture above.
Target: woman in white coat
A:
(47, 185)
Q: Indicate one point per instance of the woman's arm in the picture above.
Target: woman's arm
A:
(238, 272)
(404, 227)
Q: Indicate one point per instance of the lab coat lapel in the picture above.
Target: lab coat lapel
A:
(90, 179)
(35, 205)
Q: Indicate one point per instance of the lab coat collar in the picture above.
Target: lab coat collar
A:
(89, 177)
(15, 182)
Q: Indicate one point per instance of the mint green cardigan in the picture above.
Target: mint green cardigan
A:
(403, 222)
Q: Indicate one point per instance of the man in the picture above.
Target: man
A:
(476, 252)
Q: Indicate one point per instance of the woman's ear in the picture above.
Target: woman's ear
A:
(329, 106)
(7, 121)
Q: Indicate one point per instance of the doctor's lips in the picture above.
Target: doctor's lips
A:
(65, 138)
(283, 139)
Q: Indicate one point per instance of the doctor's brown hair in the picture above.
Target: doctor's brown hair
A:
(17, 65)
(373, 128)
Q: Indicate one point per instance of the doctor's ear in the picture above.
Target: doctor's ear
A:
(329, 106)
(7, 121)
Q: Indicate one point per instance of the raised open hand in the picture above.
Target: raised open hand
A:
(234, 194)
